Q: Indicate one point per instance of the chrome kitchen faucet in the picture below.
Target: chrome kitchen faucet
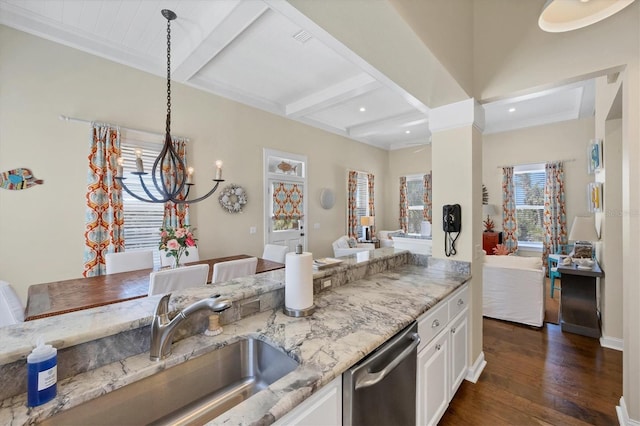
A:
(162, 329)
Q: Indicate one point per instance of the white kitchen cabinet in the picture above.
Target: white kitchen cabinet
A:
(459, 335)
(442, 356)
(433, 380)
(323, 408)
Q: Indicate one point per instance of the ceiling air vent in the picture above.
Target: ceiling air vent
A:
(302, 36)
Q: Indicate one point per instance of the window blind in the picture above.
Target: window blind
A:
(142, 220)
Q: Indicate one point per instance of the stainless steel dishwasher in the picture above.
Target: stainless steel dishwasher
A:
(381, 389)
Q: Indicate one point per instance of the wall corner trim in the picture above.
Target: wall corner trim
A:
(473, 373)
(612, 343)
(623, 415)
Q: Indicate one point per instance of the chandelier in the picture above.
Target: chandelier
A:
(169, 174)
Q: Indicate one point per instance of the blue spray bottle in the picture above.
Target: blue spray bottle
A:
(42, 370)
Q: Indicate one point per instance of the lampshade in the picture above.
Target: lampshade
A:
(367, 220)
(583, 229)
(566, 15)
(489, 210)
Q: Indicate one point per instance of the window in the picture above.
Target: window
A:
(142, 220)
(362, 200)
(529, 193)
(415, 201)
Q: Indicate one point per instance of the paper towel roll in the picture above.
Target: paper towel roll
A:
(298, 281)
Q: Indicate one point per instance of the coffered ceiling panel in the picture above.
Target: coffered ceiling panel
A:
(266, 54)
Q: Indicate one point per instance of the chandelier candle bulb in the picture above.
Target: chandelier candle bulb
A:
(218, 170)
(139, 166)
(189, 176)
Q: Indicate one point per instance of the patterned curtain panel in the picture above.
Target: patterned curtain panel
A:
(176, 215)
(287, 201)
(509, 224)
(555, 218)
(426, 213)
(352, 219)
(372, 209)
(404, 204)
(104, 219)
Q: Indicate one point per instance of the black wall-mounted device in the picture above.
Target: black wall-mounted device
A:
(451, 223)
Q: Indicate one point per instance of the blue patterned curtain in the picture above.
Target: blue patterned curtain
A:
(352, 218)
(509, 223)
(104, 218)
(404, 205)
(555, 218)
(372, 209)
(426, 213)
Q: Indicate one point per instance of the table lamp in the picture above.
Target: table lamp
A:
(366, 222)
(583, 232)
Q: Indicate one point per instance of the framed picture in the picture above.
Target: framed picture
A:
(594, 195)
(594, 155)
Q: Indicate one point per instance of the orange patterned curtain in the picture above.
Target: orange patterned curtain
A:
(287, 201)
(509, 223)
(372, 209)
(176, 215)
(104, 216)
(404, 204)
(352, 218)
(555, 218)
(426, 213)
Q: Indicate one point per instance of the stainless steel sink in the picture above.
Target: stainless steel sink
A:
(193, 392)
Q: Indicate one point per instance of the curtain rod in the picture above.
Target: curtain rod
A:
(360, 171)
(144, 132)
(536, 162)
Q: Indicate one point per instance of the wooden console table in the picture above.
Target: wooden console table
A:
(578, 301)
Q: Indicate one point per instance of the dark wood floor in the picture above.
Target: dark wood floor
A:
(540, 377)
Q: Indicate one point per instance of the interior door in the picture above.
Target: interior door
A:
(285, 203)
(286, 225)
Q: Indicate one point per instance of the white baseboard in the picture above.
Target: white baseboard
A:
(612, 343)
(473, 373)
(623, 415)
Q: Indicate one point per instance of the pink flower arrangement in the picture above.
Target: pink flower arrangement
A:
(176, 241)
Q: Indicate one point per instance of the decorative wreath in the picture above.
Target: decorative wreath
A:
(233, 198)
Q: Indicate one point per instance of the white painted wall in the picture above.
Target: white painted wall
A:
(42, 227)
(566, 141)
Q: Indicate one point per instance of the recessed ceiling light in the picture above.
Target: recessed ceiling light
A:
(407, 131)
(512, 109)
(362, 109)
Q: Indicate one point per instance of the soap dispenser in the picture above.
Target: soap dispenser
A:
(42, 374)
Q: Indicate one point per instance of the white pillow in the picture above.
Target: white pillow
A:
(11, 310)
(342, 242)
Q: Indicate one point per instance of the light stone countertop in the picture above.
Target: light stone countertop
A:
(349, 322)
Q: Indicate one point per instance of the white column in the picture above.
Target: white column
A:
(457, 179)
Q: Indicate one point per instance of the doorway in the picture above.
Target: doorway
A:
(285, 207)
